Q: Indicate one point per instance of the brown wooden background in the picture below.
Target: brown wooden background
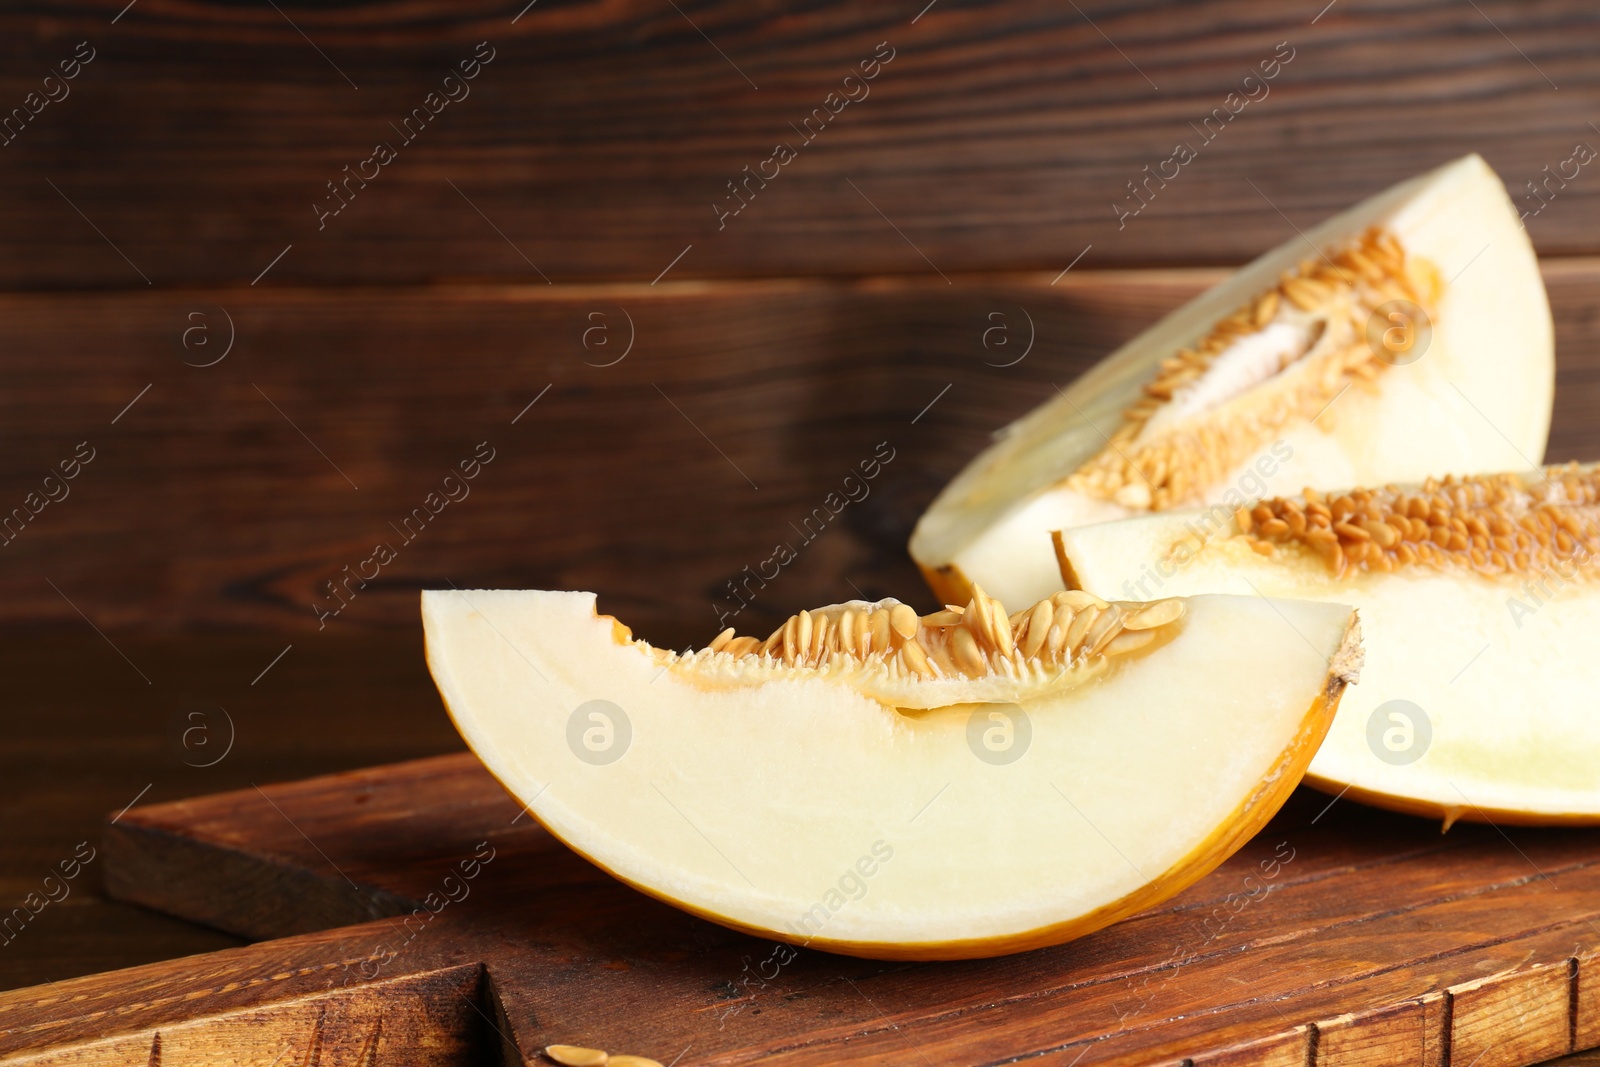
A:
(775, 353)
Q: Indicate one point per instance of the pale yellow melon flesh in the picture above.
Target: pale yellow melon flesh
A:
(1477, 397)
(791, 805)
(1498, 664)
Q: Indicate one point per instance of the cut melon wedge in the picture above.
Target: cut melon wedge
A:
(1480, 602)
(868, 782)
(1408, 336)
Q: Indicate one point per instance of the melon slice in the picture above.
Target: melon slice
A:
(1480, 601)
(873, 783)
(1408, 336)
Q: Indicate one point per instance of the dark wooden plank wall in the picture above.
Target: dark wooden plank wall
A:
(654, 480)
(187, 152)
(600, 135)
(232, 494)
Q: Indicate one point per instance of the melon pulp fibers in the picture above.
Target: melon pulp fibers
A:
(1480, 602)
(1407, 336)
(864, 781)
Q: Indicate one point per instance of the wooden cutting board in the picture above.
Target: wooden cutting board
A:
(412, 914)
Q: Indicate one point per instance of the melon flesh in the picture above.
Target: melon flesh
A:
(781, 800)
(1270, 414)
(1500, 660)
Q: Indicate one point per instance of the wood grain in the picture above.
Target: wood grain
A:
(600, 136)
(85, 735)
(235, 1008)
(1410, 1032)
(1379, 942)
(652, 481)
(1518, 1017)
(1292, 1048)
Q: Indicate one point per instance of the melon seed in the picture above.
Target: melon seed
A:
(1077, 599)
(1038, 628)
(903, 618)
(1080, 626)
(916, 658)
(1158, 614)
(1129, 641)
(880, 630)
(1106, 627)
(1000, 626)
(965, 650)
(942, 618)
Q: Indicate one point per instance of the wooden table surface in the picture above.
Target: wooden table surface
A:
(266, 394)
(1340, 936)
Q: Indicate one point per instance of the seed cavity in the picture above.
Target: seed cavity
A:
(1188, 431)
(887, 652)
(1495, 524)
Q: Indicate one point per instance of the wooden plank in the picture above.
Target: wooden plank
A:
(193, 858)
(1399, 1035)
(430, 1020)
(1362, 954)
(1410, 1032)
(244, 522)
(1520, 1017)
(1273, 987)
(790, 385)
(1393, 989)
(1453, 944)
(599, 137)
(833, 1015)
(1288, 1049)
(246, 894)
(260, 1003)
(1588, 1058)
(1586, 1008)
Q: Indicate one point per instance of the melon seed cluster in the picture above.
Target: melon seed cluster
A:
(1491, 524)
(974, 641)
(1330, 300)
